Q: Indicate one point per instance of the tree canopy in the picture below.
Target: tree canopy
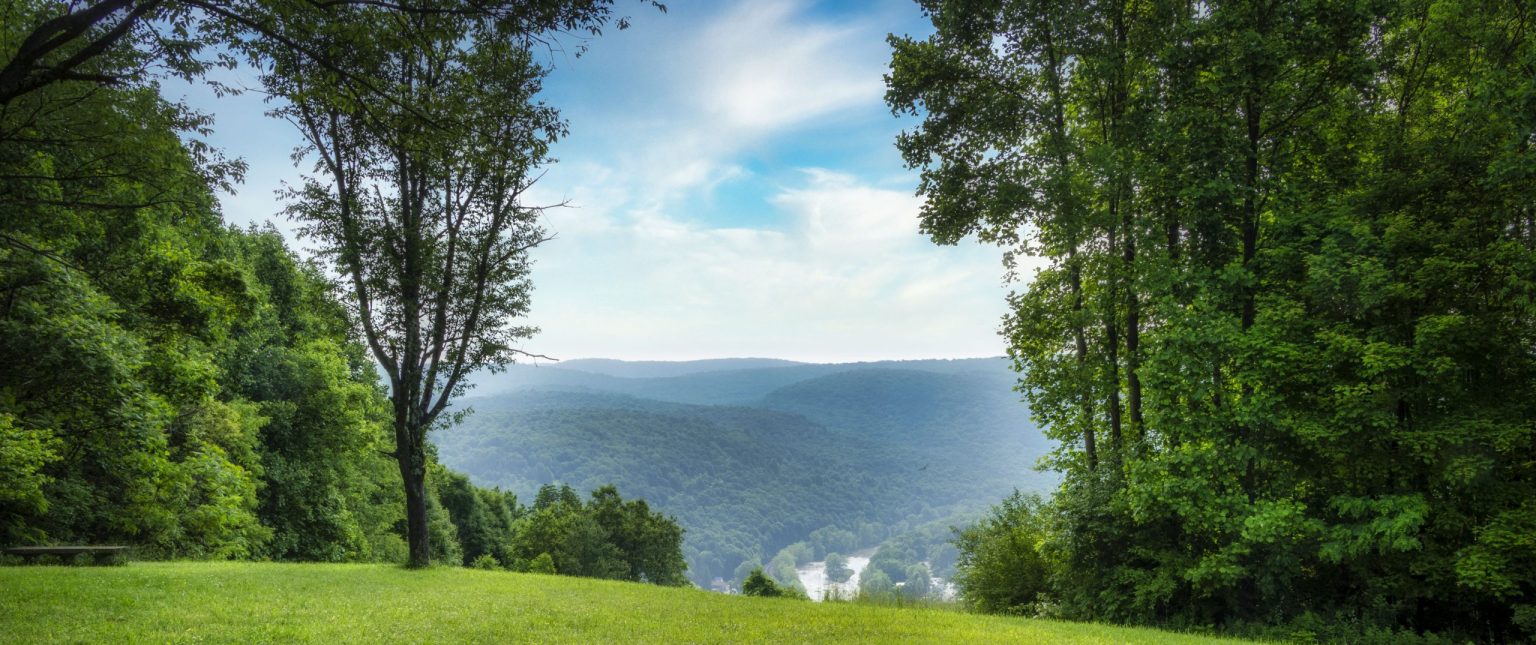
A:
(1284, 334)
(192, 389)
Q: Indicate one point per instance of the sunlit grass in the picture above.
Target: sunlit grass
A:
(249, 602)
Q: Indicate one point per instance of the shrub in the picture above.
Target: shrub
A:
(875, 585)
(1001, 568)
(486, 561)
(759, 584)
(542, 564)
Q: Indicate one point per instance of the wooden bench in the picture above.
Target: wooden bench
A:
(101, 554)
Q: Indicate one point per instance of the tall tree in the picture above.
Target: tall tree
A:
(1273, 235)
(418, 199)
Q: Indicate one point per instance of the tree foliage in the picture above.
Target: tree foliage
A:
(1002, 567)
(121, 42)
(170, 383)
(837, 568)
(1284, 328)
(759, 584)
(606, 537)
(442, 86)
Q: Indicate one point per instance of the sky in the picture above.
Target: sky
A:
(734, 190)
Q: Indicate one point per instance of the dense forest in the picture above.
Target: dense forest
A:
(1285, 333)
(870, 450)
(198, 391)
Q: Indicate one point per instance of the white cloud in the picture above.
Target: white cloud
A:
(763, 67)
(840, 215)
(841, 274)
(756, 72)
(849, 278)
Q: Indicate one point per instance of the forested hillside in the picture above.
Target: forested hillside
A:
(195, 390)
(870, 450)
(745, 382)
(655, 369)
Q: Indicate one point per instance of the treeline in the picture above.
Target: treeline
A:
(197, 391)
(1285, 329)
(747, 483)
(605, 537)
(874, 452)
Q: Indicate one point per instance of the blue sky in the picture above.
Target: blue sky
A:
(735, 191)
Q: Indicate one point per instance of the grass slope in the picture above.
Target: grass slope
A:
(245, 602)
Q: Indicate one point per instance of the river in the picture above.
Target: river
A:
(813, 576)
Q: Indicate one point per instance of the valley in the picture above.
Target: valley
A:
(753, 456)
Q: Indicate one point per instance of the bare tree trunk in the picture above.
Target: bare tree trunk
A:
(1250, 224)
(1120, 215)
(1065, 202)
(1090, 443)
(1112, 343)
(1132, 327)
(1250, 240)
(413, 471)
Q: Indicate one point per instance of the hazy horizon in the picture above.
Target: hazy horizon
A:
(756, 358)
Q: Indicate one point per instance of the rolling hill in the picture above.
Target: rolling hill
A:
(657, 369)
(751, 458)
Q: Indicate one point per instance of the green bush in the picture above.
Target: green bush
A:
(875, 585)
(486, 561)
(606, 537)
(1001, 568)
(759, 584)
(542, 564)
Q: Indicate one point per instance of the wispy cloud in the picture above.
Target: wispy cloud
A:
(651, 266)
(730, 172)
(846, 278)
(764, 66)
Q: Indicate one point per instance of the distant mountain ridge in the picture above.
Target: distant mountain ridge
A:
(754, 454)
(662, 369)
(710, 382)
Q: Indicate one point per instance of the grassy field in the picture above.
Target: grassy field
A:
(243, 602)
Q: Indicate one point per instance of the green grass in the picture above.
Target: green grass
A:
(246, 602)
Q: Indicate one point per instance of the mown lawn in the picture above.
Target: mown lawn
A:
(246, 602)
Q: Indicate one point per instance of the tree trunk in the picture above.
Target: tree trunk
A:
(1112, 342)
(413, 472)
(1065, 201)
(1132, 327)
(1120, 204)
(1090, 444)
(1250, 240)
(411, 455)
(1112, 345)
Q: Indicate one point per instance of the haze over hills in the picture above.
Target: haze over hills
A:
(752, 455)
(654, 369)
(732, 381)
